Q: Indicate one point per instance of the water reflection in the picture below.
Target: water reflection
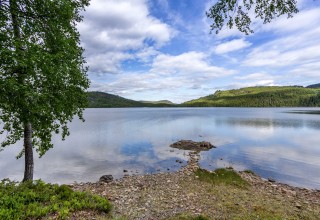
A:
(271, 142)
(269, 123)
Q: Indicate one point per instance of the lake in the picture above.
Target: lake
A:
(278, 143)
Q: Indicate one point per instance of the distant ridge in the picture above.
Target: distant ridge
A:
(159, 102)
(106, 100)
(268, 96)
(265, 96)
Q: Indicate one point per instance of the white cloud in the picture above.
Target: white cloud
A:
(297, 47)
(107, 62)
(287, 51)
(254, 76)
(146, 54)
(111, 28)
(194, 64)
(297, 23)
(309, 71)
(232, 45)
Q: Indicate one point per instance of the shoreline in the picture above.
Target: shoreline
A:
(183, 193)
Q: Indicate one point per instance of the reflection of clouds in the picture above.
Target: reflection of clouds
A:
(275, 153)
(264, 123)
(291, 161)
(310, 144)
(256, 133)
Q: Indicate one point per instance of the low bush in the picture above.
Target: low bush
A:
(34, 200)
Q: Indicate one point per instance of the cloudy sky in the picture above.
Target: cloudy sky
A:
(163, 49)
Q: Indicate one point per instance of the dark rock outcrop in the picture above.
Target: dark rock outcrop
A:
(192, 145)
(106, 178)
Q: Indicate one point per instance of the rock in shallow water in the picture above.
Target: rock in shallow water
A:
(106, 178)
(192, 145)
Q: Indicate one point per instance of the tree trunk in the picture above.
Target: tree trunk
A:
(28, 153)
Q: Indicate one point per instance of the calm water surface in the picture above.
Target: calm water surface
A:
(270, 141)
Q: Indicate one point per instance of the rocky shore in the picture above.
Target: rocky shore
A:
(183, 195)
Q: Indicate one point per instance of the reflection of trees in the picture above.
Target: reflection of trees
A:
(313, 124)
(269, 123)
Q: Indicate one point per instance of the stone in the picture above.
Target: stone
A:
(106, 178)
(271, 180)
(192, 145)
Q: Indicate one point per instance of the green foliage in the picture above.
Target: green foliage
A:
(38, 199)
(42, 73)
(221, 176)
(273, 96)
(105, 100)
(236, 12)
(249, 172)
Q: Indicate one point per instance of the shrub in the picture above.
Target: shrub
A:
(38, 199)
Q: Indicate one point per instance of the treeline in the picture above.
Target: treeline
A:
(289, 96)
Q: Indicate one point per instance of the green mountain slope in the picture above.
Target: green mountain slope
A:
(106, 100)
(273, 96)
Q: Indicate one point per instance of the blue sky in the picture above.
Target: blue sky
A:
(163, 49)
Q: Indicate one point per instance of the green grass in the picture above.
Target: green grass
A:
(34, 200)
(221, 176)
(249, 171)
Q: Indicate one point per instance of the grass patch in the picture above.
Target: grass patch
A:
(249, 171)
(221, 176)
(38, 199)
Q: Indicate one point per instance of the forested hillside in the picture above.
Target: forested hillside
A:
(287, 96)
(106, 100)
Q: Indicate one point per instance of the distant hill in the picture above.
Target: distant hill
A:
(159, 102)
(273, 96)
(106, 100)
(314, 86)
